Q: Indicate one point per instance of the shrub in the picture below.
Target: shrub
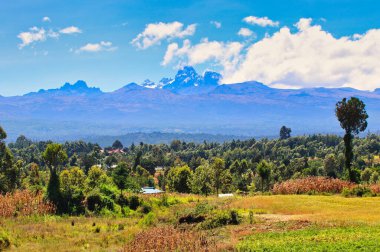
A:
(5, 241)
(24, 203)
(358, 191)
(195, 215)
(145, 208)
(149, 220)
(134, 202)
(95, 201)
(311, 185)
(220, 218)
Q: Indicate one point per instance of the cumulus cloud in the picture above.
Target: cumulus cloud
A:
(155, 33)
(35, 34)
(46, 19)
(245, 32)
(306, 57)
(311, 57)
(261, 21)
(226, 54)
(70, 30)
(217, 24)
(97, 47)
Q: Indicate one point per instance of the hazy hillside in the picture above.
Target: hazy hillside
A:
(189, 103)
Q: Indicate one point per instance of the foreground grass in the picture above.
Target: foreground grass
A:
(358, 238)
(319, 209)
(281, 223)
(52, 233)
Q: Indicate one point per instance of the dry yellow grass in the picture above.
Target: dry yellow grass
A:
(319, 209)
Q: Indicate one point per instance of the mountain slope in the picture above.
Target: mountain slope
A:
(189, 103)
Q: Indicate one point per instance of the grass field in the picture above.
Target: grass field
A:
(277, 223)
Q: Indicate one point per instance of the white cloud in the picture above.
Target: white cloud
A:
(46, 19)
(225, 54)
(217, 24)
(261, 21)
(307, 57)
(70, 30)
(35, 34)
(245, 32)
(155, 33)
(97, 47)
(312, 57)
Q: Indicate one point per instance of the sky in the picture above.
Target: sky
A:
(284, 44)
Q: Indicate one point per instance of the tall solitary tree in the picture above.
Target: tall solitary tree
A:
(285, 132)
(353, 119)
(54, 157)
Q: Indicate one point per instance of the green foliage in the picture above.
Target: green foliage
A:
(201, 180)
(353, 119)
(5, 240)
(264, 171)
(120, 176)
(149, 220)
(178, 179)
(285, 132)
(219, 218)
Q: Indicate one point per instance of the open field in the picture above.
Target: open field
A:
(277, 222)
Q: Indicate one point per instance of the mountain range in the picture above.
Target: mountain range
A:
(187, 103)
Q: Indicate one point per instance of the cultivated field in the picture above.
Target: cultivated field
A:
(263, 223)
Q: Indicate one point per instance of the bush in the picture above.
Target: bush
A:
(145, 208)
(358, 191)
(149, 220)
(221, 218)
(311, 185)
(5, 241)
(134, 202)
(24, 203)
(95, 202)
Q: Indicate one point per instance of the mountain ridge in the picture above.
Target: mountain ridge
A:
(193, 103)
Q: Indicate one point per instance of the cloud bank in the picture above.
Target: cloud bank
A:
(306, 57)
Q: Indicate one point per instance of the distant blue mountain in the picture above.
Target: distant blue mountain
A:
(188, 103)
(78, 88)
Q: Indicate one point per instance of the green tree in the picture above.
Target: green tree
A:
(117, 145)
(200, 182)
(331, 166)
(54, 157)
(365, 175)
(264, 170)
(6, 163)
(374, 177)
(72, 186)
(285, 132)
(96, 176)
(219, 173)
(178, 179)
(123, 179)
(353, 119)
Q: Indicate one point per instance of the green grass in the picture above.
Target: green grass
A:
(359, 238)
(280, 223)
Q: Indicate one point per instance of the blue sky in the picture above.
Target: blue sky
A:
(291, 44)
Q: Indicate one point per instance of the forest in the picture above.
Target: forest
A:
(82, 183)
